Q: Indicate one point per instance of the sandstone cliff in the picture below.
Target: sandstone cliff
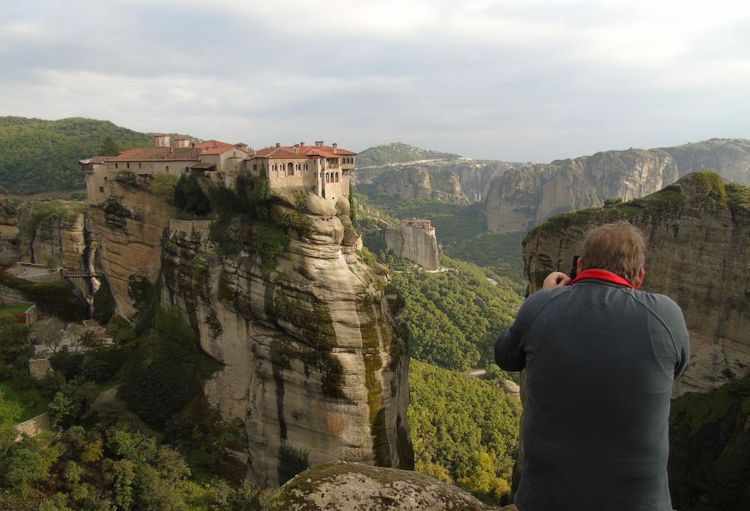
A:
(523, 197)
(416, 241)
(455, 181)
(52, 233)
(698, 232)
(126, 232)
(729, 157)
(312, 347)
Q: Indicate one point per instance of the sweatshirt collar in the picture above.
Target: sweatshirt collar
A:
(606, 276)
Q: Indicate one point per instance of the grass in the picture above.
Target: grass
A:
(10, 310)
(28, 398)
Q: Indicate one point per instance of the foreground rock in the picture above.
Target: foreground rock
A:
(348, 486)
(698, 234)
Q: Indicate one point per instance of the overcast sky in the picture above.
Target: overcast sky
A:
(512, 80)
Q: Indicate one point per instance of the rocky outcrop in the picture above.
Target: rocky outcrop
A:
(709, 455)
(729, 157)
(698, 233)
(348, 486)
(416, 241)
(523, 197)
(53, 234)
(456, 181)
(310, 338)
(126, 232)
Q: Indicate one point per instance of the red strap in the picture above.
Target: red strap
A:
(606, 276)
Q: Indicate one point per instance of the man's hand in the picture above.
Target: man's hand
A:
(555, 279)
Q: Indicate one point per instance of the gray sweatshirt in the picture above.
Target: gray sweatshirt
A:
(600, 360)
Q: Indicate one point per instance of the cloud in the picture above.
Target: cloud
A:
(515, 80)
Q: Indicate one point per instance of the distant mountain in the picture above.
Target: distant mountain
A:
(525, 196)
(730, 157)
(399, 153)
(38, 155)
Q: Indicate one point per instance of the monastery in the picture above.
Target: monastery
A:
(320, 169)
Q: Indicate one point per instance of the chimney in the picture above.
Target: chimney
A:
(278, 144)
(161, 140)
(334, 145)
(318, 143)
(302, 144)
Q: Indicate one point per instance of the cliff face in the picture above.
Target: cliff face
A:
(698, 233)
(415, 240)
(729, 157)
(457, 182)
(310, 338)
(523, 197)
(314, 350)
(126, 233)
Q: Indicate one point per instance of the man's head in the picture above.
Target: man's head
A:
(619, 248)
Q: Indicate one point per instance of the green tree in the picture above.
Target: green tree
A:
(109, 147)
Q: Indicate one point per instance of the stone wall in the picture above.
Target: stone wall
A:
(9, 296)
(33, 426)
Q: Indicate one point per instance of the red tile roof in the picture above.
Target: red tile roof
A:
(298, 152)
(157, 154)
(207, 148)
(216, 147)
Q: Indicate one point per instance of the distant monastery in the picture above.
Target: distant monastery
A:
(320, 169)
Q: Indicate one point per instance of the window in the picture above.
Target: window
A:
(290, 169)
(337, 177)
(105, 178)
(115, 165)
(255, 166)
(101, 189)
(167, 167)
(140, 165)
(127, 165)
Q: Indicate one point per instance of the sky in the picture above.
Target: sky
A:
(519, 80)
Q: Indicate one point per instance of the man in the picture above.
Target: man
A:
(600, 358)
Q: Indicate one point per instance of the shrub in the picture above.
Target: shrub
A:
(190, 198)
(166, 370)
(292, 461)
(104, 303)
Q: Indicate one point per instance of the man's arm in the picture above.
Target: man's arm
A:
(509, 354)
(682, 346)
(672, 315)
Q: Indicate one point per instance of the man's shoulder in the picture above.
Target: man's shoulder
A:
(543, 297)
(662, 306)
(656, 301)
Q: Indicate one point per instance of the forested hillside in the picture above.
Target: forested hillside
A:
(38, 155)
(464, 429)
(455, 316)
(399, 153)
